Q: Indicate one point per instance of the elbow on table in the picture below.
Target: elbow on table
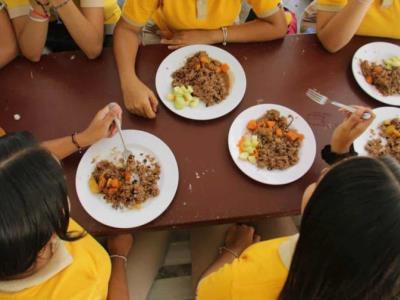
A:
(94, 52)
(33, 57)
(330, 46)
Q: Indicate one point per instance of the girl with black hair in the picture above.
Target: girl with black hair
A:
(349, 241)
(45, 254)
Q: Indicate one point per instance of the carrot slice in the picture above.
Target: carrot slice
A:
(241, 145)
(252, 125)
(225, 68)
(279, 132)
(115, 183)
(292, 135)
(369, 79)
(270, 124)
(218, 69)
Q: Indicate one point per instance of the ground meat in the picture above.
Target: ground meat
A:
(204, 75)
(129, 185)
(276, 151)
(386, 81)
(389, 141)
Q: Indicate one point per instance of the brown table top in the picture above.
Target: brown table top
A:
(60, 95)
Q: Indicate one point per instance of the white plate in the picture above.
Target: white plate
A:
(274, 177)
(382, 114)
(138, 142)
(177, 59)
(374, 52)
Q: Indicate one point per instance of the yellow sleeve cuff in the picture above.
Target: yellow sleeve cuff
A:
(18, 11)
(138, 12)
(331, 5)
(265, 8)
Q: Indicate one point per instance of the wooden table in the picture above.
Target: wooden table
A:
(60, 95)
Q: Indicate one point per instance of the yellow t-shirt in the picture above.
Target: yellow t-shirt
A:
(112, 12)
(379, 21)
(191, 14)
(258, 274)
(86, 278)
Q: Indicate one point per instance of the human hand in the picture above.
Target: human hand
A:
(183, 38)
(120, 244)
(239, 237)
(140, 100)
(350, 129)
(101, 126)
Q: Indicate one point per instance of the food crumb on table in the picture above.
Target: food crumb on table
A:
(190, 187)
(17, 117)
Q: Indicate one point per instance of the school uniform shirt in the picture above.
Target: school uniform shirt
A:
(112, 12)
(258, 274)
(77, 270)
(192, 14)
(382, 18)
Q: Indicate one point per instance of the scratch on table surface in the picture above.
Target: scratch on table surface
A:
(190, 188)
(303, 51)
(184, 203)
(245, 58)
(319, 119)
(31, 75)
(260, 101)
(72, 57)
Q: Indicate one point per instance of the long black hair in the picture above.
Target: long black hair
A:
(349, 244)
(33, 202)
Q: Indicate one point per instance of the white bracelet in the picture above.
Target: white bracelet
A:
(225, 35)
(37, 19)
(34, 19)
(120, 257)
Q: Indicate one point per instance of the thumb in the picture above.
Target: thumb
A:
(153, 102)
(102, 113)
(149, 112)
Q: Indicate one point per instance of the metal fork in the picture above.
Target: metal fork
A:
(322, 100)
(126, 153)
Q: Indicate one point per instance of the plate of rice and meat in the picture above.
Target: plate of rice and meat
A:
(376, 68)
(200, 82)
(383, 135)
(272, 144)
(127, 194)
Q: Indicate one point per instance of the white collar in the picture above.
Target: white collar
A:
(286, 249)
(59, 261)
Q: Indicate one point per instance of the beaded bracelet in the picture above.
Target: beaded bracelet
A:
(225, 35)
(75, 142)
(223, 248)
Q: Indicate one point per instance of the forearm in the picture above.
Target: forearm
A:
(87, 35)
(118, 285)
(258, 30)
(9, 49)
(126, 43)
(32, 38)
(223, 259)
(340, 29)
(63, 147)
